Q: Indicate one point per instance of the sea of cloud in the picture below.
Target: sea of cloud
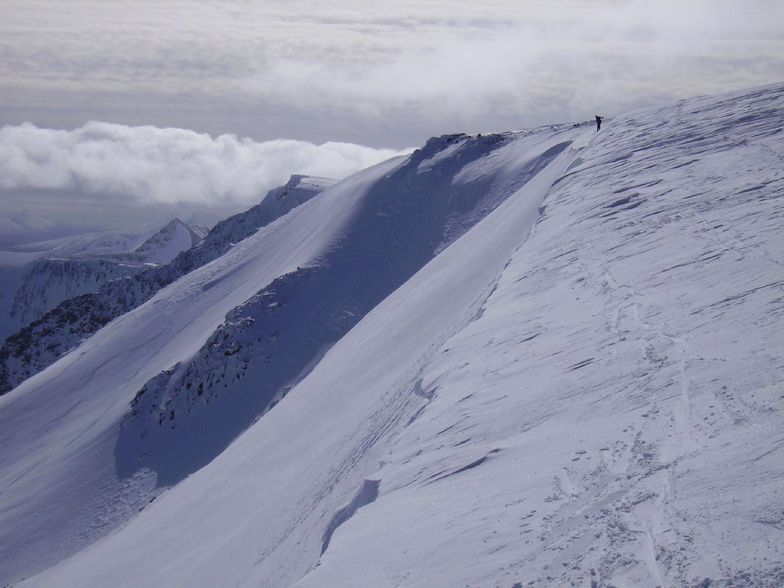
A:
(166, 165)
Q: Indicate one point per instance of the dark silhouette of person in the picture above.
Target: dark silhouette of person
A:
(599, 120)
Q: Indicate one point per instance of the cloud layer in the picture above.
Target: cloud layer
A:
(372, 72)
(166, 165)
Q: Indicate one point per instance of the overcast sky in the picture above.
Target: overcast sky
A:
(376, 74)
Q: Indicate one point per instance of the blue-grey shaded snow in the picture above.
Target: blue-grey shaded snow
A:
(585, 386)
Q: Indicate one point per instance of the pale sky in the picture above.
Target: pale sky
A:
(376, 73)
(287, 76)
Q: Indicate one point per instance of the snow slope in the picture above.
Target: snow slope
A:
(67, 419)
(41, 342)
(187, 415)
(57, 472)
(169, 242)
(614, 414)
(584, 387)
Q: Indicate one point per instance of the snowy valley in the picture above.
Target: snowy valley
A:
(549, 357)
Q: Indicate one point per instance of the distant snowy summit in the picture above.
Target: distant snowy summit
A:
(169, 242)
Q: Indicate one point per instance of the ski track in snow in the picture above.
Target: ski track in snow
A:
(584, 389)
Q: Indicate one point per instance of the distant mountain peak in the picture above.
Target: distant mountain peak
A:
(172, 239)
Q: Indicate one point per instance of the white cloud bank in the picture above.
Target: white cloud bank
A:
(166, 165)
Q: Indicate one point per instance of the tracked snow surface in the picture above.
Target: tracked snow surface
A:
(574, 375)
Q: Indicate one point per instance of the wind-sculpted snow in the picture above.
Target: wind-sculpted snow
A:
(186, 416)
(584, 388)
(41, 342)
(627, 368)
(94, 383)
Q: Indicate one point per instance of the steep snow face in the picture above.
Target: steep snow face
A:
(585, 387)
(169, 242)
(57, 472)
(41, 342)
(65, 472)
(189, 414)
(460, 280)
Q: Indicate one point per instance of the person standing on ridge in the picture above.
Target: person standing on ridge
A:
(599, 120)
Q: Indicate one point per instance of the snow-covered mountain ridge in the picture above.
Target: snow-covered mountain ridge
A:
(585, 387)
(169, 242)
(89, 389)
(269, 343)
(41, 342)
